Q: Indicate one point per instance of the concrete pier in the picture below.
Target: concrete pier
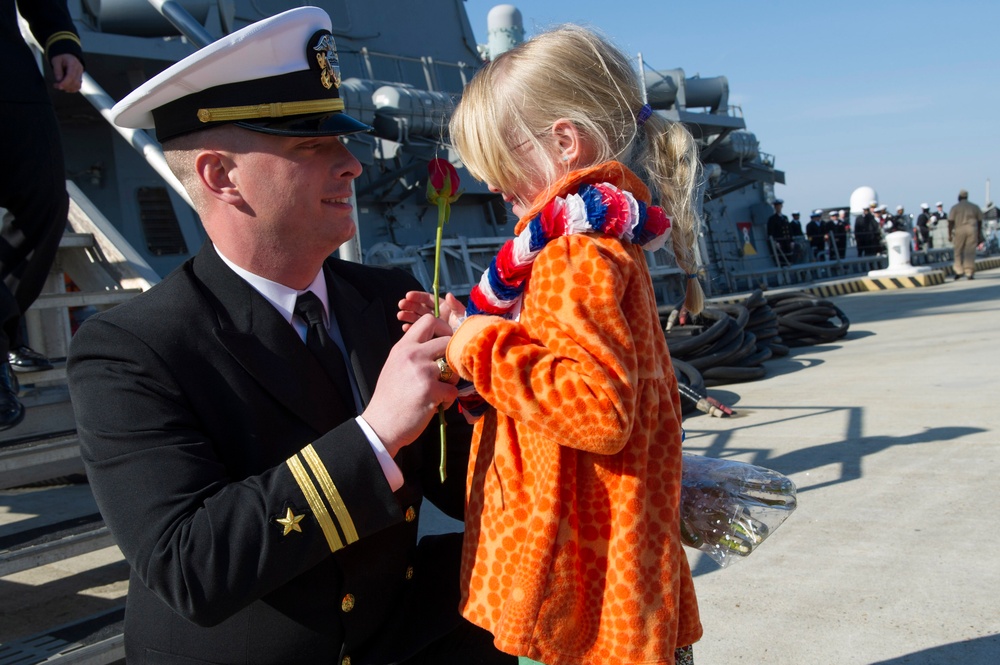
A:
(892, 436)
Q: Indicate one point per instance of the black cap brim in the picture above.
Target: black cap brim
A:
(319, 124)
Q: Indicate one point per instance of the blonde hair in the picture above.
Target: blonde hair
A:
(574, 74)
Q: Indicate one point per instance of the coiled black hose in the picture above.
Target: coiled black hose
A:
(694, 396)
(717, 344)
(804, 320)
(728, 343)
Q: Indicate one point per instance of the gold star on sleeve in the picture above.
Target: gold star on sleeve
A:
(290, 521)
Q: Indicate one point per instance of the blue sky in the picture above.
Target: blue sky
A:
(903, 97)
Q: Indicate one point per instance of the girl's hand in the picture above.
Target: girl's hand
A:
(418, 303)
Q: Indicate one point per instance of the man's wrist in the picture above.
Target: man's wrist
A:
(392, 473)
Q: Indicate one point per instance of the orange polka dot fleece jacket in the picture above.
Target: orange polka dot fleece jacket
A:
(572, 544)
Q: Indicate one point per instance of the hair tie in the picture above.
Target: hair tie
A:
(643, 115)
(692, 275)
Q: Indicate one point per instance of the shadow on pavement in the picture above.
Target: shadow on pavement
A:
(980, 651)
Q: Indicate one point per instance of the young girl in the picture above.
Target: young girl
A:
(572, 545)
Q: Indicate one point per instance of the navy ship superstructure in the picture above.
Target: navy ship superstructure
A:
(403, 75)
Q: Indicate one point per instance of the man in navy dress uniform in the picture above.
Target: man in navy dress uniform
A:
(262, 464)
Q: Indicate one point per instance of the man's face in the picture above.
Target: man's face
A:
(298, 190)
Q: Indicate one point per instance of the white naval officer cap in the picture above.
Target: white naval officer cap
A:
(924, 206)
(278, 76)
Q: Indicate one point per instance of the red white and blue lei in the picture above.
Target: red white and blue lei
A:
(594, 208)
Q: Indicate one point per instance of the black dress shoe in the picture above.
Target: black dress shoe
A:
(11, 410)
(23, 359)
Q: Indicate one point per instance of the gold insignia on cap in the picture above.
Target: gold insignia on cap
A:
(329, 64)
(291, 522)
(273, 110)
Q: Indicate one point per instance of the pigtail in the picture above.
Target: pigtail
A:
(673, 167)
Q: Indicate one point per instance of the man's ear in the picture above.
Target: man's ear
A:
(215, 172)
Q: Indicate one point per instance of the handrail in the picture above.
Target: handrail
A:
(139, 139)
(183, 21)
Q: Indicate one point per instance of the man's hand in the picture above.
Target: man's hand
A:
(409, 388)
(68, 72)
(418, 303)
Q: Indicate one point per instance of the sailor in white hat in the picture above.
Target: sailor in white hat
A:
(255, 426)
(898, 222)
(816, 234)
(867, 232)
(922, 233)
(795, 225)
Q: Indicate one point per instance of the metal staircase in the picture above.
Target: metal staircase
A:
(47, 514)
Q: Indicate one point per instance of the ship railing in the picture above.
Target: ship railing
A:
(438, 76)
(779, 269)
(464, 260)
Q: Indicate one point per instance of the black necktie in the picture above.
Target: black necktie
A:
(310, 309)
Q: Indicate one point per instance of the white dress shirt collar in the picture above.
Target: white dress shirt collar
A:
(281, 296)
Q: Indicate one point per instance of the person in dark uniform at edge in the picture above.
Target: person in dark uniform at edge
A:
(838, 230)
(922, 231)
(866, 231)
(816, 233)
(256, 427)
(32, 178)
(798, 238)
(795, 224)
(779, 230)
(965, 230)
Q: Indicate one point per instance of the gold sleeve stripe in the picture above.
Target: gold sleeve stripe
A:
(331, 493)
(315, 503)
(65, 34)
(272, 110)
